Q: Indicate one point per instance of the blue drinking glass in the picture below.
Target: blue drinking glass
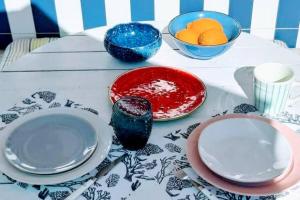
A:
(132, 121)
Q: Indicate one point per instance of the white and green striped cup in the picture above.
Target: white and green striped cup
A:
(273, 83)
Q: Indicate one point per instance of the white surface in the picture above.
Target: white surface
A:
(217, 5)
(69, 16)
(91, 88)
(117, 11)
(264, 17)
(100, 174)
(104, 142)
(96, 36)
(10, 193)
(143, 193)
(85, 70)
(166, 10)
(87, 52)
(87, 55)
(248, 151)
(20, 11)
(74, 195)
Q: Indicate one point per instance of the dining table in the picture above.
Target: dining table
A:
(76, 71)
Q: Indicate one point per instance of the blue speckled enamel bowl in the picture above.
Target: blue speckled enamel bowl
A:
(132, 42)
(231, 28)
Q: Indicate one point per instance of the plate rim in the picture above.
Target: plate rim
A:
(104, 139)
(43, 113)
(278, 177)
(291, 179)
(168, 67)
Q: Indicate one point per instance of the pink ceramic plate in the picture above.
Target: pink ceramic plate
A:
(277, 186)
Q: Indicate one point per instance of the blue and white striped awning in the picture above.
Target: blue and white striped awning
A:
(40, 18)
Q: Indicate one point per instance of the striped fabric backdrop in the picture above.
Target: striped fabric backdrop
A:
(270, 19)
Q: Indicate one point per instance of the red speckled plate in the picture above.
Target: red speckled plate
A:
(173, 93)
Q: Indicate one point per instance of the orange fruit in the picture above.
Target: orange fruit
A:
(212, 37)
(201, 25)
(187, 36)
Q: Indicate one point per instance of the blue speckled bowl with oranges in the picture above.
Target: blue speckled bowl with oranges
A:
(132, 42)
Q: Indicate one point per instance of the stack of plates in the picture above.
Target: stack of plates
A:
(245, 154)
(53, 146)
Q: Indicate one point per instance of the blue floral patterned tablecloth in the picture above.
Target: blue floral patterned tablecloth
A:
(154, 164)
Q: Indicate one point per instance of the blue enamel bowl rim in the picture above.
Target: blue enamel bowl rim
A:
(107, 38)
(198, 45)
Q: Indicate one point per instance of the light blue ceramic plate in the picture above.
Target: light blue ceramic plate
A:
(51, 141)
